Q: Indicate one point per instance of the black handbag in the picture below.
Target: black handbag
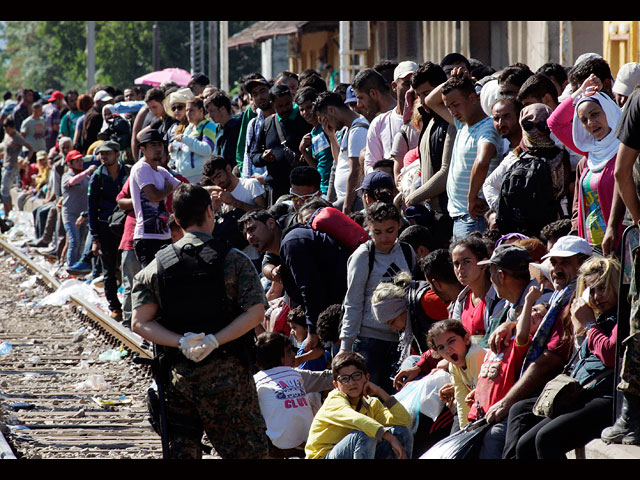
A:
(117, 220)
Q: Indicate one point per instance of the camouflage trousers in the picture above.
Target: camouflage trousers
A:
(630, 372)
(218, 398)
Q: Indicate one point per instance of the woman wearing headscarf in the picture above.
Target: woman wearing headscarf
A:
(586, 123)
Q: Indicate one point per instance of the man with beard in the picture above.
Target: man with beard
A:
(374, 95)
(549, 349)
(334, 115)
(151, 184)
(277, 147)
(104, 187)
(237, 196)
(506, 114)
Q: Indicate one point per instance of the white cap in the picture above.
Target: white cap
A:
(627, 79)
(102, 95)
(586, 56)
(403, 69)
(568, 246)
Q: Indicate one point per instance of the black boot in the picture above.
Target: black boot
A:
(626, 430)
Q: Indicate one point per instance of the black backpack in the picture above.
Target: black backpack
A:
(527, 200)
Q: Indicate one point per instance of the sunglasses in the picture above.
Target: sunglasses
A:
(355, 376)
(296, 197)
(177, 106)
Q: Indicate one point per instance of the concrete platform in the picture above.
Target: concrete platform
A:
(597, 449)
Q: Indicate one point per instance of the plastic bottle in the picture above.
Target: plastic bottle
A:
(5, 347)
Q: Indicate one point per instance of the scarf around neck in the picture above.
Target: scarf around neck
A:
(599, 151)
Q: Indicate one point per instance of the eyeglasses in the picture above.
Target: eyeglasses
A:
(177, 106)
(355, 376)
(295, 196)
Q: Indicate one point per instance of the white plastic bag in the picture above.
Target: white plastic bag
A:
(421, 396)
(430, 403)
(73, 287)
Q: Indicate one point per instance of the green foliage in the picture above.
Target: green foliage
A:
(52, 54)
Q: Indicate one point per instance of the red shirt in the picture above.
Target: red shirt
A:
(472, 317)
(497, 375)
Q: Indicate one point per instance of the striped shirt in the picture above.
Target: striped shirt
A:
(463, 156)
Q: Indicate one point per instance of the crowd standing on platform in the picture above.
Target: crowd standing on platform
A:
(360, 270)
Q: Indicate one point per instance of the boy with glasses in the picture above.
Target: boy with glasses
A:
(353, 423)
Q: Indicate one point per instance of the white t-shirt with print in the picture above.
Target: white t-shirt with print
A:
(152, 219)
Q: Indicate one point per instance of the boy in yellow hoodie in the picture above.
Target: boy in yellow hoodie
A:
(352, 423)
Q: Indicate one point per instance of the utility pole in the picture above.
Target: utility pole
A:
(345, 52)
(156, 47)
(91, 54)
(214, 75)
(224, 56)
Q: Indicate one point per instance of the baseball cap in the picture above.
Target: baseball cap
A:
(510, 257)
(102, 96)
(568, 246)
(108, 145)
(151, 135)
(72, 155)
(254, 82)
(41, 154)
(403, 69)
(350, 96)
(56, 95)
(376, 179)
(627, 79)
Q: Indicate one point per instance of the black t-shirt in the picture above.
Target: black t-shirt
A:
(628, 131)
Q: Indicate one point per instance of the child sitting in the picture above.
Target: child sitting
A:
(281, 392)
(352, 423)
(451, 341)
(315, 359)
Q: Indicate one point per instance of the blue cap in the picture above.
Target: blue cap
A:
(376, 179)
(350, 96)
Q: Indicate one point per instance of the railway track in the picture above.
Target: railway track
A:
(58, 397)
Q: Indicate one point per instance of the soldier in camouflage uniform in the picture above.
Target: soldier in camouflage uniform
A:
(209, 387)
(626, 429)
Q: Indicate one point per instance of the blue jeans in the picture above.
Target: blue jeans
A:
(493, 441)
(76, 236)
(465, 225)
(381, 359)
(359, 445)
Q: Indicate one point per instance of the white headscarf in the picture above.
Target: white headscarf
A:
(599, 151)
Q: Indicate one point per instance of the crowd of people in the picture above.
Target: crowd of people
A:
(304, 256)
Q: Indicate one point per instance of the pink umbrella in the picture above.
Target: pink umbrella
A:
(177, 75)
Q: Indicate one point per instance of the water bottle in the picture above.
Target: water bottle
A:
(5, 347)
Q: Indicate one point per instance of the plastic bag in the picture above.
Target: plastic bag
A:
(93, 382)
(421, 396)
(112, 355)
(409, 397)
(73, 287)
(430, 403)
(463, 444)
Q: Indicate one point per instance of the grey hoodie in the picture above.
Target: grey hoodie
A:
(358, 319)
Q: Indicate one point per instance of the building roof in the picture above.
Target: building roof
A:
(262, 30)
